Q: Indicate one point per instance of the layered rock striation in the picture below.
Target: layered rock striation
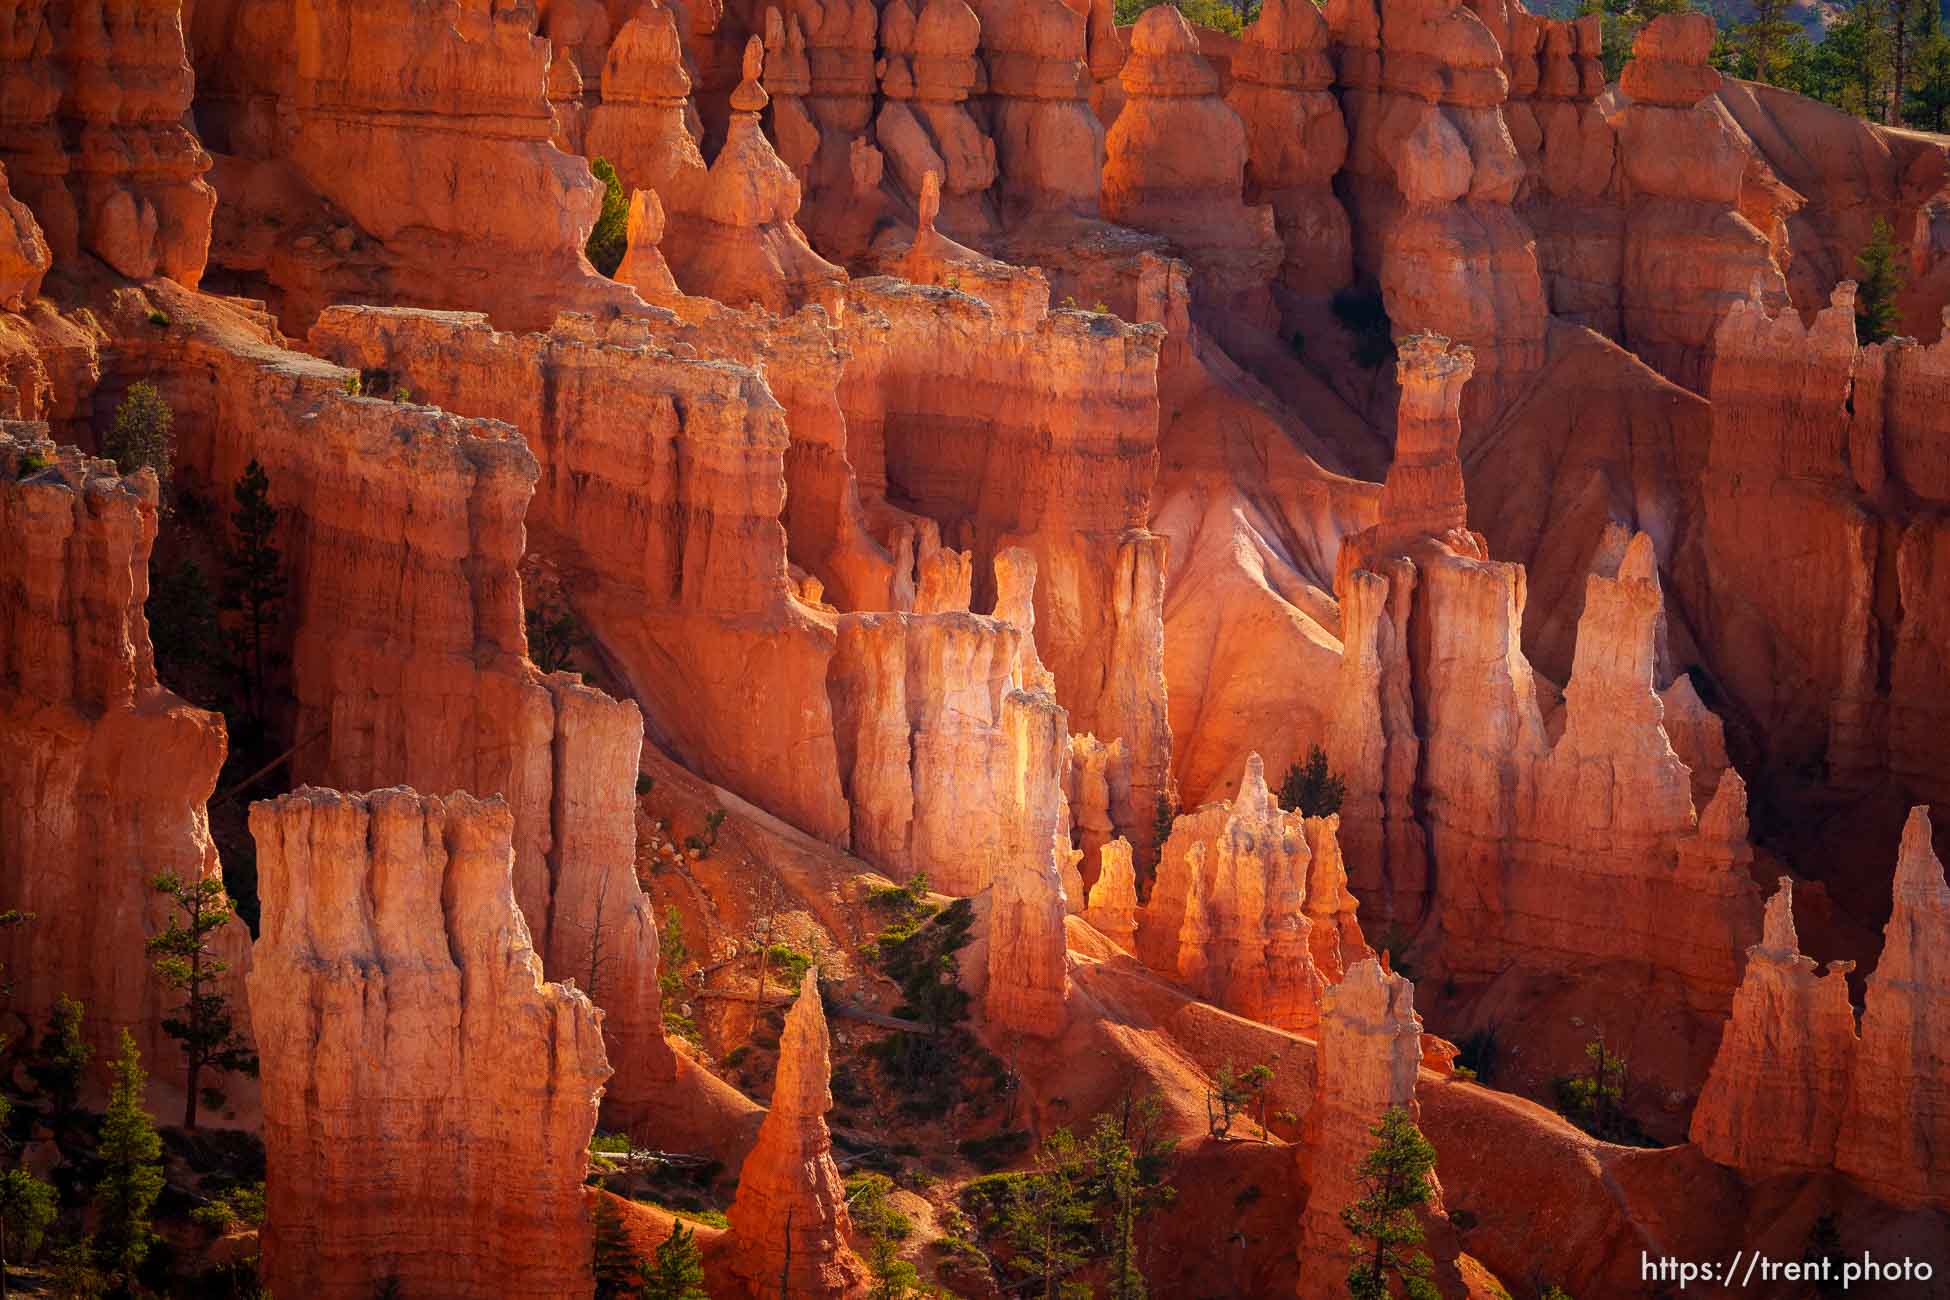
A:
(428, 1098)
(103, 773)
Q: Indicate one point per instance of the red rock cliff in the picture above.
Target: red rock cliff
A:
(428, 1099)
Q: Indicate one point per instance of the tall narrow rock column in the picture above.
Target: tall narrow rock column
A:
(1370, 1049)
(789, 1223)
(1896, 1135)
(428, 1099)
(1028, 977)
(1773, 1103)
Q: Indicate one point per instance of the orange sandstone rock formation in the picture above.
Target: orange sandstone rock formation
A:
(1895, 1137)
(1370, 1050)
(1176, 164)
(1049, 146)
(428, 1099)
(24, 256)
(1233, 911)
(928, 70)
(407, 655)
(92, 135)
(1028, 981)
(1296, 140)
(1774, 1101)
(1689, 254)
(1113, 907)
(789, 1224)
(103, 773)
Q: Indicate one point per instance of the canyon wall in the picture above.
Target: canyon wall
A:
(428, 1099)
(104, 774)
(400, 529)
(92, 134)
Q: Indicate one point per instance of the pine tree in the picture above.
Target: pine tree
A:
(617, 1266)
(26, 1208)
(1048, 1215)
(611, 237)
(60, 1063)
(1312, 789)
(1876, 287)
(1121, 1187)
(183, 628)
(205, 1025)
(1383, 1224)
(143, 432)
(1598, 1094)
(676, 1272)
(254, 586)
(1764, 42)
(132, 1176)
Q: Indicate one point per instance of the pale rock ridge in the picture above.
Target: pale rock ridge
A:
(428, 1099)
(1774, 1101)
(92, 133)
(917, 702)
(103, 773)
(1028, 977)
(1896, 1136)
(1059, 463)
(1113, 907)
(1244, 910)
(1296, 140)
(789, 1224)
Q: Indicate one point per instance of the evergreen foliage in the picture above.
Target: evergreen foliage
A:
(1311, 788)
(132, 1176)
(1383, 1224)
(143, 432)
(611, 237)
(205, 1024)
(1879, 280)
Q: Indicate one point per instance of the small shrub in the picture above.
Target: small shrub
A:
(644, 784)
(403, 396)
(611, 237)
(159, 318)
(32, 463)
(789, 964)
(144, 432)
(354, 386)
(555, 636)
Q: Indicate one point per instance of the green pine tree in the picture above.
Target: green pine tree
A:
(1384, 1225)
(676, 1272)
(183, 628)
(1879, 280)
(60, 1064)
(132, 1176)
(27, 1206)
(1048, 1217)
(254, 587)
(205, 1024)
(611, 237)
(143, 432)
(1311, 788)
(618, 1268)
